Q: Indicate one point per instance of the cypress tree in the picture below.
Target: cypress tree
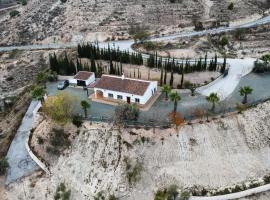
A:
(93, 65)
(172, 67)
(161, 76)
(165, 75)
(223, 68)
(215, 63)
(205, 62)
(182, 79)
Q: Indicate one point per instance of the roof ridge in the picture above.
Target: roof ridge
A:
(127, 78)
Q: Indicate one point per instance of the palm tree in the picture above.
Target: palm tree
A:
(192, 89)
(41, 78)
(175, 97)
(213, 98)
(38, 93)
(245, 91)
(166, 89)
(85, 105)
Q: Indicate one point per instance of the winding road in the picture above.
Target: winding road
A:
(223, 86)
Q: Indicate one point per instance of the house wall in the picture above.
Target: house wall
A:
(91, 79)
(143, 99)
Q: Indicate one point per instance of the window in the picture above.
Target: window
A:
(119, 97)
(110, 95)
(137, 100)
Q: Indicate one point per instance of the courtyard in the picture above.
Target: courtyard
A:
(187, 106)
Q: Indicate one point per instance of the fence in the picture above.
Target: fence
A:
(147, 124)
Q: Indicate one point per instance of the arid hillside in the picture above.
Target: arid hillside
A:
(80, 20)
(221, 153)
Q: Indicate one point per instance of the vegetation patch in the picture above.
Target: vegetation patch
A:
(126, 112)
(58, 141)
(171, 193)
(3, 166)
(62, 193)
(134, 169)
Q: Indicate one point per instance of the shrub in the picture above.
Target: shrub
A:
(224, 41)
(24, 2)
(59, 138)
(231, 6)
(112, 197)
(161, 195)
(266, 58)
(77, 120)
(266, 179)
(14, 13)
(261, 67)
(40, 140)
(3, 166)
(62, 193)
(133, 170)
(172, 192)
(61, 107)
(185, 195)
(63, 1)
(126, 112)
(58, 141)
(38, 93)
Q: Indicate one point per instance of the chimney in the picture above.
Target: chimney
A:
(123, 76)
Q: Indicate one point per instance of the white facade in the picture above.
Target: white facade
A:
(128, 97)
(90, 80)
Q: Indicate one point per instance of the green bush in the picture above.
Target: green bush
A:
(3, 166)
(133, 170)
(77, 120)
(224, 41)
(266, 58)
(231, 6)
(40, 140)
(112, 197)
(58, 140)
(161, 195)
(14, 13)
(266, 179)
(62, 193)
(24, 2)
(185, 195)
(261, 67)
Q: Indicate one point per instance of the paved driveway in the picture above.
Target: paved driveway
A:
(19, 160)
(187, 106)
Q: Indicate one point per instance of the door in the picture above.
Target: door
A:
(128, 100)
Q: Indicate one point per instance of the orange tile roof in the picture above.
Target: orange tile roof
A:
(83, 75)
(125, 85)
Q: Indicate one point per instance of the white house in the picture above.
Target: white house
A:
(83, 78)
(125, 89)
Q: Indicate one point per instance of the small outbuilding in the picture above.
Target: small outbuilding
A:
(117, 88)
(83, 78)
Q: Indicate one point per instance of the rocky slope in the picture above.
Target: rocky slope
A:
(221, 153)
(79, 20)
